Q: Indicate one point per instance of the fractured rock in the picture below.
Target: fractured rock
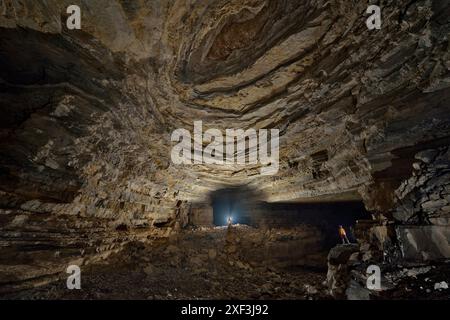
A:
(424, 243)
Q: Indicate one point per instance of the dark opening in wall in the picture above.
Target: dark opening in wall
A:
(326, 217)
(246, 206)
(228, 206)
(122, 227)
(235, 202)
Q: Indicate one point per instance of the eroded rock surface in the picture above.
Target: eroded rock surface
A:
(86, 116)
(203, 263)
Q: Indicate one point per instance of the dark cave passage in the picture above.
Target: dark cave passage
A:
(229, 206)
(235, 202)
(245, 207)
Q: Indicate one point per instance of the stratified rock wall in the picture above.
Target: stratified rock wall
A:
(86, 115)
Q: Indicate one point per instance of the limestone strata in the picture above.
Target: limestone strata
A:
(86, 116)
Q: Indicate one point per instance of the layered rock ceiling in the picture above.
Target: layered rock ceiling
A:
(87, 115)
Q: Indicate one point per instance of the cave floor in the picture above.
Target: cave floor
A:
(202, 264)
(222, 263)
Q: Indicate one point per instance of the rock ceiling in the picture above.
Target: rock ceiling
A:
(90, 112)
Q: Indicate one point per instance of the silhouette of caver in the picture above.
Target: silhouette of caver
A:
(343, 235)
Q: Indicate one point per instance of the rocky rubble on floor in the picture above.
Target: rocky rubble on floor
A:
(87, 118)
(351, 266)
(348, 277)
(207, 263)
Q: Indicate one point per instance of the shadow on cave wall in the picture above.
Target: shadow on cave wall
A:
(38, 72)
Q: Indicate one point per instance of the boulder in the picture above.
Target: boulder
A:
(424, 243)
(357, 292)
(149, 269)
(196, 261)
(338, 275)
(426, 156)
(212, 253)
(441, 285)
(340, 254)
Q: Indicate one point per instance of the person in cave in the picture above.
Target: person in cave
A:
(229, 221)
(343, 235)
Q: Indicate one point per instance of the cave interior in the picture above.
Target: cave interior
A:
(87, 178)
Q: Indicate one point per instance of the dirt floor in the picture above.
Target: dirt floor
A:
(198, 264)
(427, 282)
(231, 263)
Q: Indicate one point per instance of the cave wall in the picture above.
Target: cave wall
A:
(346, 100)
(86, 115)
(201, 214)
